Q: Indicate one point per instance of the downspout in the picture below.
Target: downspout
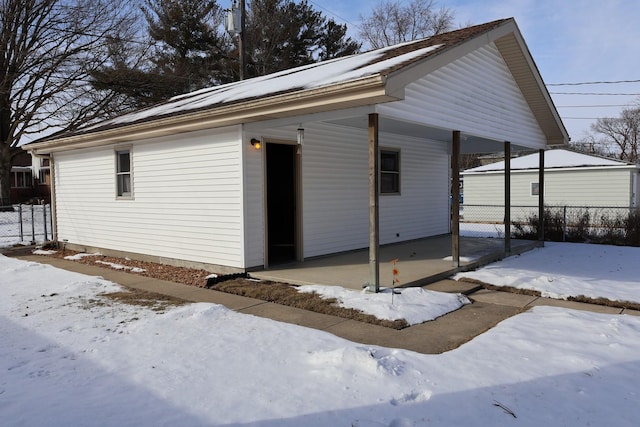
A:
(52, 192)
(634, 188)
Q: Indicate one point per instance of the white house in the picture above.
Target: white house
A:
(182, 181)
(570, 179)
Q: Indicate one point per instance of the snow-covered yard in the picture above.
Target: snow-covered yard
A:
(72, 357)
(562, 270)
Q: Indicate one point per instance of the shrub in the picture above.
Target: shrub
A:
(581, 225)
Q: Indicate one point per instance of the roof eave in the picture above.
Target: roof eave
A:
(354, 93)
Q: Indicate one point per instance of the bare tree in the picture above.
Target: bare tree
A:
(623, 133)
(591, 145)
(47, 49)
(392, 22)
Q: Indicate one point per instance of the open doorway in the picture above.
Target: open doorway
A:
(282, 203)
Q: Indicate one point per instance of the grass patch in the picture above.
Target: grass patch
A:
(285, 294)
(137, 297)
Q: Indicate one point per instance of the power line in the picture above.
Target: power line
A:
(594, 83)
(594, 106)
(333, 13)
(585, 118)
(594, 93)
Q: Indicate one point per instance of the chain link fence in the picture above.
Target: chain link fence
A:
(603, 224)
(25, 224)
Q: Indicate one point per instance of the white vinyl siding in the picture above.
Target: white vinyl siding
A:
(588, 187)
(335, 188)
(188, 198)
(254, 204)
(475, 94)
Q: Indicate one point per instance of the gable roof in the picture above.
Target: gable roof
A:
(361, 79)
(553, 159)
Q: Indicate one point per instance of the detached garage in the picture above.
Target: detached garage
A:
(570, 179)
(330, 157)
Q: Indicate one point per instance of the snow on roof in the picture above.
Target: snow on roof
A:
(317, 75)
(309, 76)
(552, 159)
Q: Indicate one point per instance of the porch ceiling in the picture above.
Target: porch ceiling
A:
(469, 143)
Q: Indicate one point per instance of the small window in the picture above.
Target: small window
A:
(535, 189)
(44, 176)
(123, 173)
(389, 171)
(21, 179)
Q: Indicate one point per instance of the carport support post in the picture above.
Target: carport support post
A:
(507, 198)
(374, 211)
(541, 197)
(455, 198)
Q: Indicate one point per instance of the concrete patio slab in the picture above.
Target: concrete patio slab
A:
(420, 262)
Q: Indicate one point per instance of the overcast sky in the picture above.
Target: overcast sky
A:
(571, 41)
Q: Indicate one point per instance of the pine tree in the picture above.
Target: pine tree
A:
(188, 51)
(282, 34)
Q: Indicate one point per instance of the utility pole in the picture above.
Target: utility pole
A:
(236, 25)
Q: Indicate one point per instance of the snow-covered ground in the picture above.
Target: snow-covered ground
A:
(562, 270)
(415, 305)
(67, 359)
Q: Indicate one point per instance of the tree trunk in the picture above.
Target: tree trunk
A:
(5, 175)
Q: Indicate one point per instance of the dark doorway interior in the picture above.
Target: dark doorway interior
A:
(281, 203)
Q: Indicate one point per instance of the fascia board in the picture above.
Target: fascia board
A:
(356, 93)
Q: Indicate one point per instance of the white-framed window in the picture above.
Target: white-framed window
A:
(535, 189)
(44, 176)
(389, 171)
(123, 173)
(44, 172)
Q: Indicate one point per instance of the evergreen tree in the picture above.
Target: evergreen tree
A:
(187, 52)
(282, 34)
(187, 48)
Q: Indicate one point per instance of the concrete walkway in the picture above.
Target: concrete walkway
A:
(437, 336)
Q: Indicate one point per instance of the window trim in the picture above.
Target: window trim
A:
(397, 152)
(531, 193)
(118, 173)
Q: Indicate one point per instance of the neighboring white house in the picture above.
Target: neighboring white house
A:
(183, 180)
(571, 179)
